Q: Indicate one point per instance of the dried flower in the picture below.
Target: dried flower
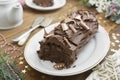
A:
(113, 11)
(100, 5)
(111, 8)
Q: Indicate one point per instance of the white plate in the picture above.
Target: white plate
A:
(57, 4)
(88, 57)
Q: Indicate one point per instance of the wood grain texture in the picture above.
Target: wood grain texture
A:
(56, 15)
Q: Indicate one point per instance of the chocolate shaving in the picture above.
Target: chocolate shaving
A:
(78, 17)
(64, 26)
(48, 35)
(84, 25)
(45, 32)
(66, 40)
(67, 20)
(72, 28)
(86, 12)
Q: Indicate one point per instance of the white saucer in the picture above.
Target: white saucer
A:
(89, 56)
(57, 4)
(11, 26)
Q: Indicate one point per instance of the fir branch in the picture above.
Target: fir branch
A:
(85, 2)
(5, 72)
(17, 71)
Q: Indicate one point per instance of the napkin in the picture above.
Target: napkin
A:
(108, 70)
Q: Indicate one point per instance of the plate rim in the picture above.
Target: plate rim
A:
(12, 26)
(46, 8)
(77, 72)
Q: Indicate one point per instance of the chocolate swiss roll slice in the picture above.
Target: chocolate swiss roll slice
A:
(44, 3)
(65, 41)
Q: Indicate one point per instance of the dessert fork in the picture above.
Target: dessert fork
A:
(23, 38)
(37, 21)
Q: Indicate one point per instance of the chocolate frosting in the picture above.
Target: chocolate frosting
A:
(68, 37)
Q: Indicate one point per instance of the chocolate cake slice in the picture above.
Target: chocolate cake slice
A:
(65, 41)
(44, 3)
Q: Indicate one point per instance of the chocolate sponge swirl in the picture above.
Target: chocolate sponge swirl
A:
(65, 41)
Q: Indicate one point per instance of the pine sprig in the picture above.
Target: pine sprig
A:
(5, 72)
(85, 2)
(17, 71)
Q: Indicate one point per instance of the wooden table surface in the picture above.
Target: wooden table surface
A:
(56, 15)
